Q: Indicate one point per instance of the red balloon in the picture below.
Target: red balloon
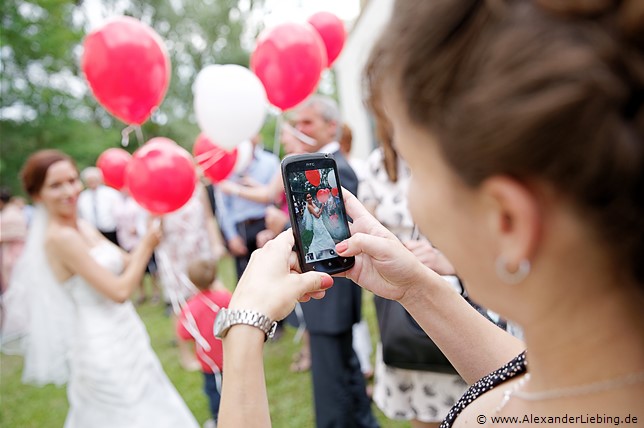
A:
(313, 176)
(288, 59)
(112, 163)
(334, 191)
(323, 195)
(332, 32)
(126, 65)
(217, 163)
(161, 176)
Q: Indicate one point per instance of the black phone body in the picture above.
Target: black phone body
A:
(317, 212)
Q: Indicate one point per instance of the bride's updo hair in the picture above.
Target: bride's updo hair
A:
(34, 171)
(540, 90)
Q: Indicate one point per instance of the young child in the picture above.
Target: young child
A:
(196, 323)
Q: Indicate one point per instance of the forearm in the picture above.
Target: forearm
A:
(473, 344)
(134, 270)
(244, 402)
(260, 194)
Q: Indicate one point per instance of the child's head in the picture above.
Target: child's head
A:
(202, 273)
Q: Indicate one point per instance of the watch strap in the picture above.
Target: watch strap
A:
(252, 318)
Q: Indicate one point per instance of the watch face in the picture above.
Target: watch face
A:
(219, 322)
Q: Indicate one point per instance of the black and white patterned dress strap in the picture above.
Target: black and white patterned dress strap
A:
(514, 368)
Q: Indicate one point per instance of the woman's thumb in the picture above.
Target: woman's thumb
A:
(314, 281)
(359, 243)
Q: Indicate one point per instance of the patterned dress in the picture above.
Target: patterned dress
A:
(514, 368)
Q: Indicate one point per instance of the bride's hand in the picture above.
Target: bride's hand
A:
(154, 232)
(272, 284)
(383, 265)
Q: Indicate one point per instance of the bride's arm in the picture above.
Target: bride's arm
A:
(313, 210)
(72, 252)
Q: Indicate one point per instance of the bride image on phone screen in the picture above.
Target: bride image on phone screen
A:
(322, 244)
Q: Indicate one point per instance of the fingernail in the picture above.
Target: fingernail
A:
(341, 247)
(327, 282)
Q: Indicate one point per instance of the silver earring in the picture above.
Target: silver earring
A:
(512, 278)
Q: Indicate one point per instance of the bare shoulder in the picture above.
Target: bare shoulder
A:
(60, 238)
(89, 232)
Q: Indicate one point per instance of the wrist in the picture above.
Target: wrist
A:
(148, 244)
(229, 318)
(243, 333)
(420, 288)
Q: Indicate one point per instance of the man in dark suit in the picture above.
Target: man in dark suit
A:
(338, 384)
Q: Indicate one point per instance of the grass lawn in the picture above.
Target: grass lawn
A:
(289, 393)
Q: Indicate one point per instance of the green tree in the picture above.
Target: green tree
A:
(45, 103)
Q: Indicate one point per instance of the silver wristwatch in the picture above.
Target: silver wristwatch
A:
(227, 318)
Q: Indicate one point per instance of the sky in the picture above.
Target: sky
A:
(282, 10)
(276, 11)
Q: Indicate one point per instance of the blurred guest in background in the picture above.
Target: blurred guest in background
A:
(99, 204)
(13, 233)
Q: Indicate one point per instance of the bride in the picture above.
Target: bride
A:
(322, 240)
(68, 311)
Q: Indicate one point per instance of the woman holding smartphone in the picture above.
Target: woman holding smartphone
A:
(523, 125)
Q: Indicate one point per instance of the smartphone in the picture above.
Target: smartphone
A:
(316, 207)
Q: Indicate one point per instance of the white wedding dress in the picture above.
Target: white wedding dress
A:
(116, 380)
(322, 241)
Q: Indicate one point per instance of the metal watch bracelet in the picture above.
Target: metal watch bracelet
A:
(252, 318)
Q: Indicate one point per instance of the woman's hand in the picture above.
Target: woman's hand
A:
(263, 237)
(229, 188)
(383, 265)
(430, 256)
(154, 233)
(276, 219)
(272, 284)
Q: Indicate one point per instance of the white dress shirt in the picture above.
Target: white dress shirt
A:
(100, 207)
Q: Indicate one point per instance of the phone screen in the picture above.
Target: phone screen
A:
(317, 211)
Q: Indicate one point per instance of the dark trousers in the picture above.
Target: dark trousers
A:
(214, 398)
(338, 384)
(248, 231)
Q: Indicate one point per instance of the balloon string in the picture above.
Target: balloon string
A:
(301, 135)
(278, 130)
(139, 134)
(179, 302)
(209, 155)
(125, 135)
(210, 162)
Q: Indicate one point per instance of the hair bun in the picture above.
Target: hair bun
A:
(579, 7)
(629, 13)
(631, 21)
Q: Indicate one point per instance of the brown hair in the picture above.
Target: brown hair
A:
(35, 169)
(202, 273)
(346, 139)
(549, 90)
(384, 133)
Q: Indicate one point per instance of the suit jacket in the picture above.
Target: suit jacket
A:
(342, 304)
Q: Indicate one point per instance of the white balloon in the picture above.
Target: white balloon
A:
(230, 104)
(331, 179)
(244, 156)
